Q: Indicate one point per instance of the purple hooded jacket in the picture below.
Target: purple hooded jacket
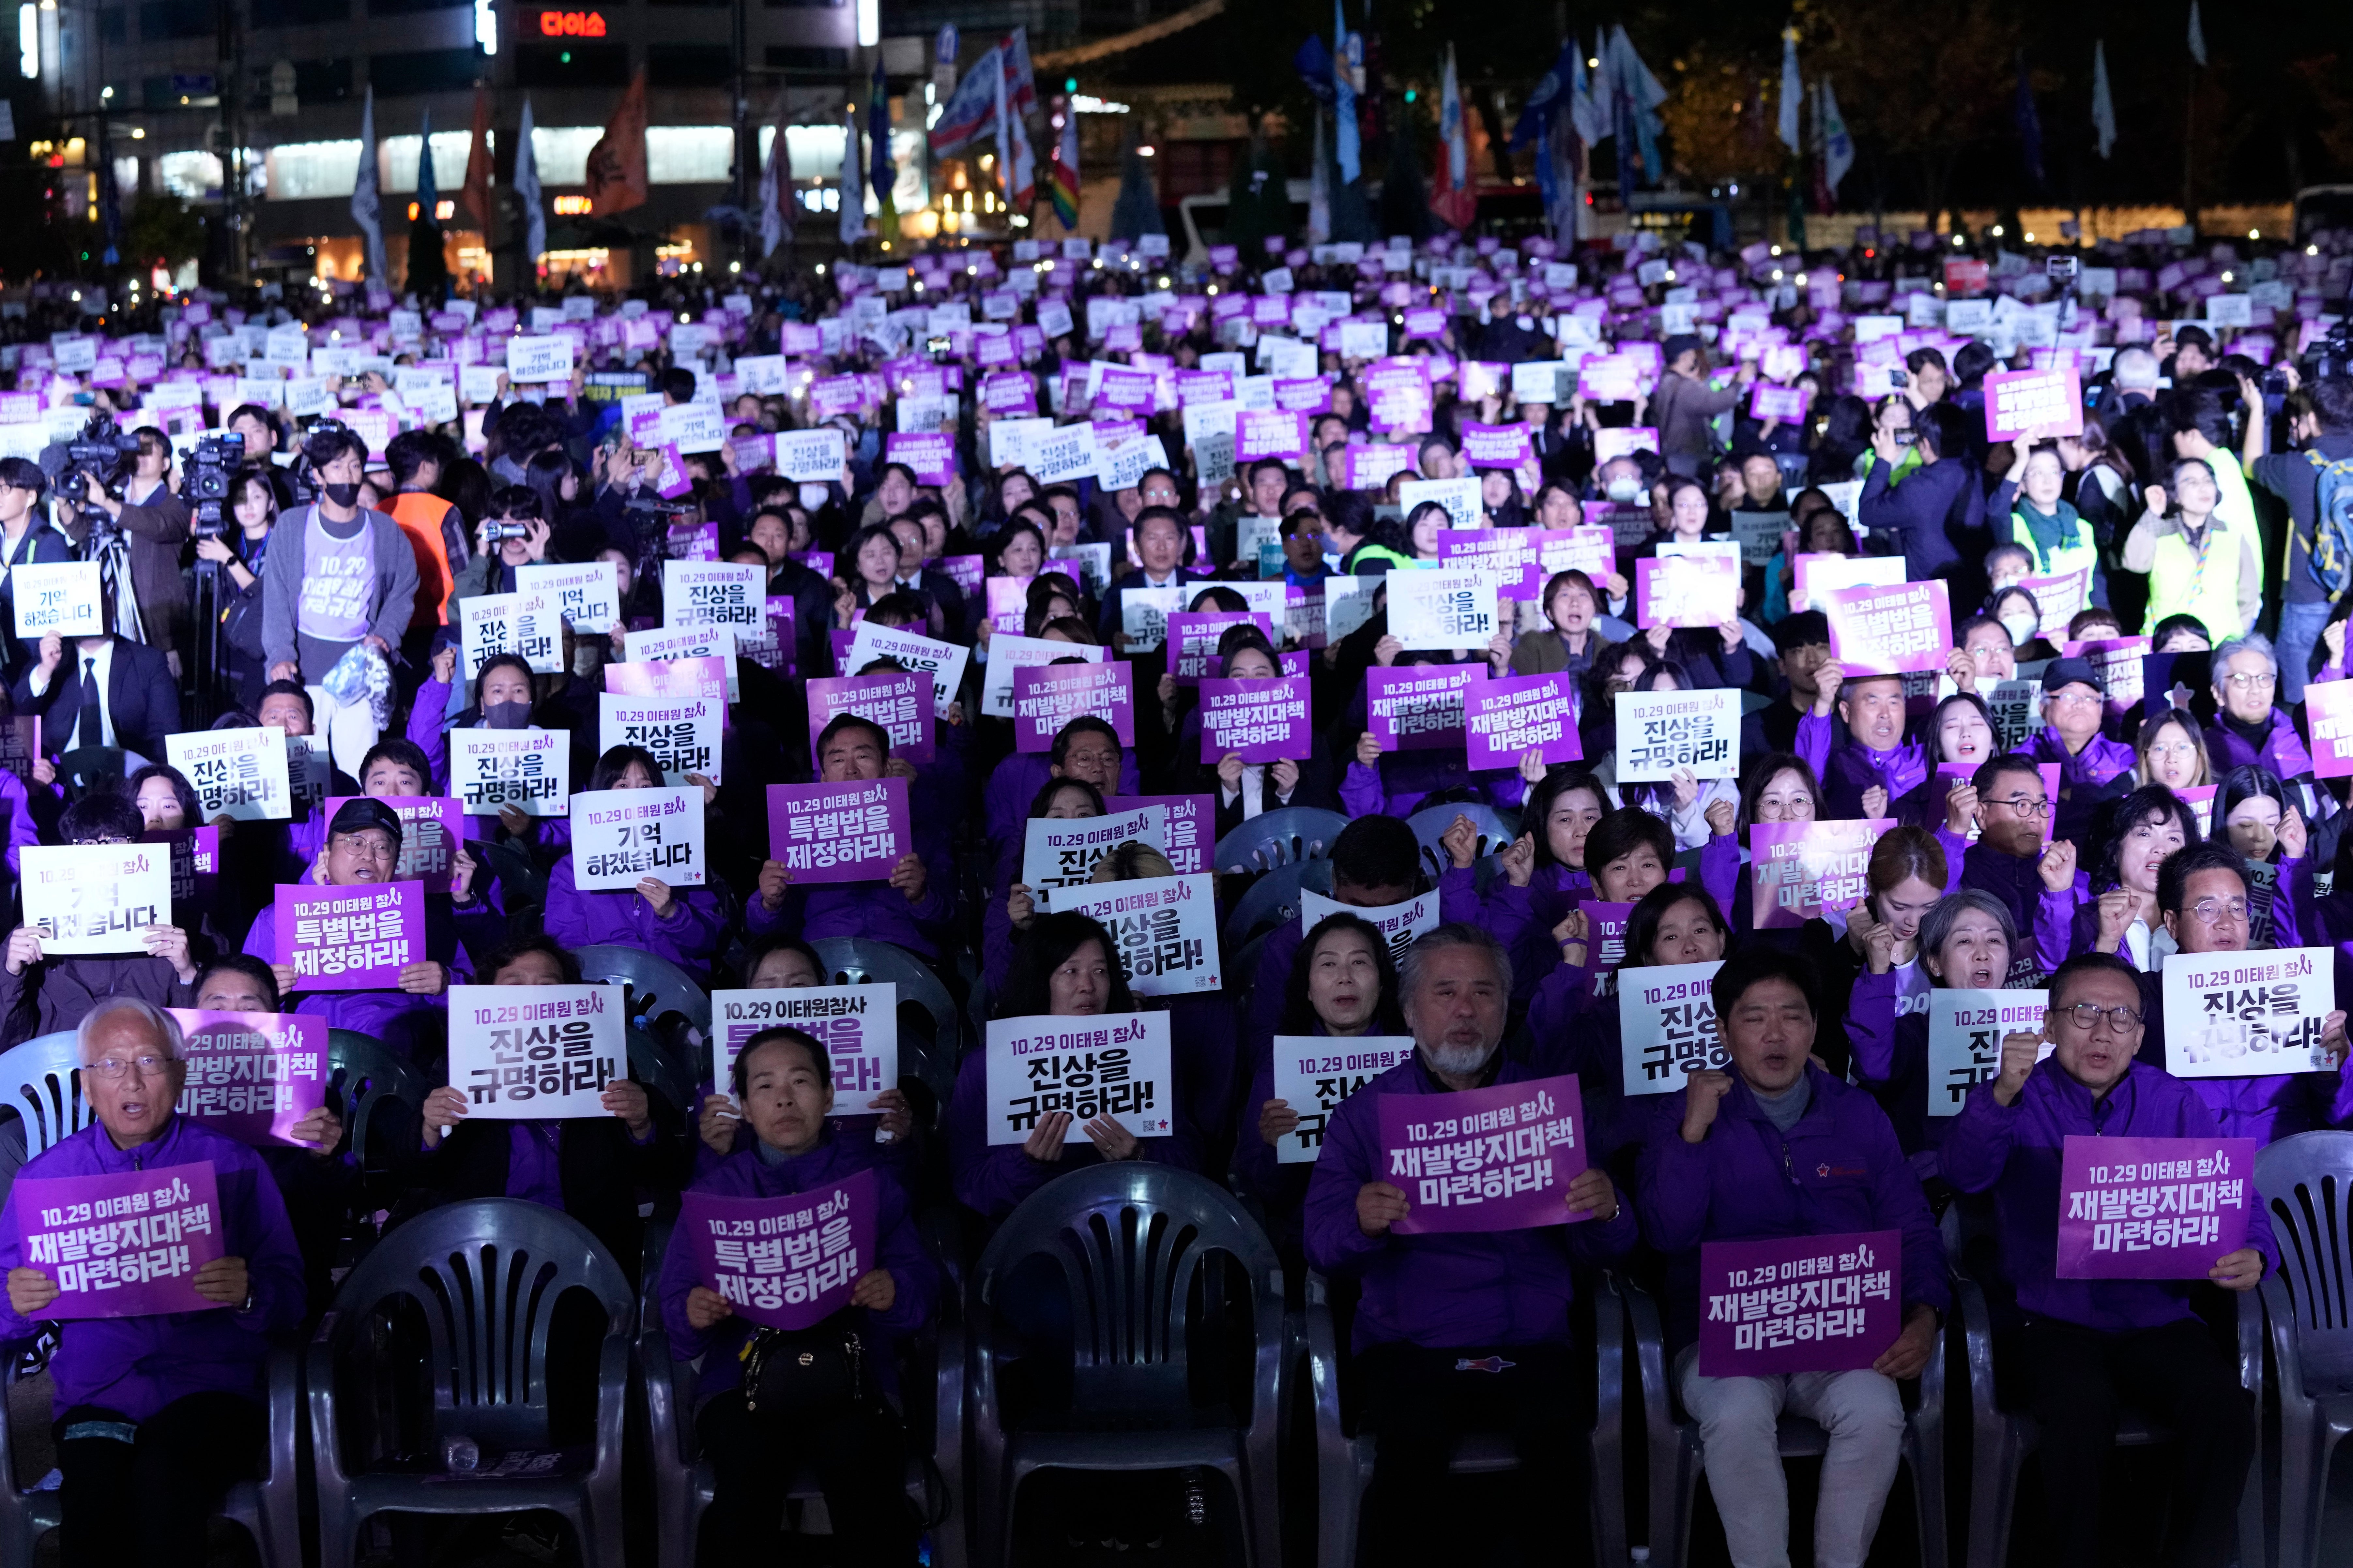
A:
(2013, 1151)
(2283, 750)
(688, 936)
(138, 1365)
(1462, 1289)
(1846, 767)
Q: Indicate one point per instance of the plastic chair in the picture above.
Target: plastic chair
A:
(862, 961)
(1131, 1239)
(2305, 1182)
(654, 985)
(269, 1509)
(1343, 1459)
(1278, 838)
(88, 768)
(1273, 900)
(2001, 1440)
(684, 1483)
(42, 1083)
(524, 885)
(1496, 832)
(363, 1072)
(485, 1276)
(1677, 1458)
(652, 1066)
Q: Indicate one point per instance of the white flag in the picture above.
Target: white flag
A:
(2104, 103)
(853, 185)
(1791, 91)
(1838, 147)
(364, 195)
(774, 221)
(2197, 36)
(1450, 125)
(526, 189)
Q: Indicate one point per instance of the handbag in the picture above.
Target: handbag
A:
(818, 1370)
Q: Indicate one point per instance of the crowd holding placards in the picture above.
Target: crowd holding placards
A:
(1780, 744)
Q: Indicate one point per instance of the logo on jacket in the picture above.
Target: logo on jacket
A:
(1827, 1168)
(1485, 1364)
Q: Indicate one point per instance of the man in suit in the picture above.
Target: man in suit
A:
(1161, 539)
(931, 582)
(116, 692)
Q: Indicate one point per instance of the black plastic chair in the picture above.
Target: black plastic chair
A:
(1278, 838)
(1496, 831)
(1273, 900)
(2307, 1182)
(88, 768)
(862, 961)
(363, 1072)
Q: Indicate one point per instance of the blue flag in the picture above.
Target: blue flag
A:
(881, 172)
(1347, 53)
(426, 198)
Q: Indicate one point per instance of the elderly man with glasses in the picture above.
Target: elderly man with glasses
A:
(2247, 728)
(156, 1415)
(2085, 1346)
(2092, 768)
(2035, 880)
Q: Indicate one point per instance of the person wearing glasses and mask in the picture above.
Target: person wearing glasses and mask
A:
(26, 539)
(2092, 767)
(42, 994)
(2247, 727)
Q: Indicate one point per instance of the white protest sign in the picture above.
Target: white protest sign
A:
(1666, 1019)
(1064, 455)
(235, 773)
(544, 359)
(1058, 852)
(1313, 1073)
(62, 596)
(1113, 1065)
(1659, 731)
(2248, 1015)
(1008, 653)
(1964, 1034)
(1144, 615)
(587, 594)
(96, 897)
(529, 769)
(1459, 497)
(1400, 923)
(857, 1025)
(693, 428)
(1164, 929)
(911, 650)
(728, 594)
(671, 644)
(620, 837)
(682, 732)
(529, 624)
(812, 456)
(536, 1052)
(1439, 610)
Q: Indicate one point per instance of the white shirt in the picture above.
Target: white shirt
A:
(71, 667)
(2149, 948)
(1252, 791)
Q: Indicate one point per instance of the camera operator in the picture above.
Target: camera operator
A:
(252, 422)
(26, 538)
(344, 582)
(514, 535)
(156, 521)
(239, 552)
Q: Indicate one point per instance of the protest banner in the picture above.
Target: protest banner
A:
(1805, 869)
(537, 1052)
(355, 938)
(1313, 1073)
(682, 733)
(95, 898)
(899, 700)
(1144, 612)
(1419, 706)
(2328, 708)
(1187, 824)
(931, 454)
(1966, 1028)
(536, 359)
(2047, 402)
(2248, 1015)
(310, 770)
(1687, 590)
(1498, 1157)
(786, 1263)
(1659, 731)
(1504, 720)
(2152, 1208)
(857, 1025)
(1883, 630)
(716, 593)
(1274, 433)
(1758, 534)
(813, 457)
(1799, 1303)
(1786, 405)
(1814, 576)
(1114, 1067)
(852, 832)
(431, 829)
(588, 594)
(1009, 653)
(1047, 697)
(1062, 852)
(1495, 446)
(2017, 709)
(621, 837)
(1442, 610)
(1263, 721)
(1165, 928)
(253, 1076)
(1666, 1018)
(63, 597)
(528, 769)
(1512, 557)
(1400, 923)
(2115, 667)
(1460, 497)
(2059, 598)
(126, 1245)
(239, 774)
(1370, 467)
(944, 661)
(1193, 637)
(530, 624)
(686, 645)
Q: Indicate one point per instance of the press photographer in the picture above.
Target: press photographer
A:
(153, 522)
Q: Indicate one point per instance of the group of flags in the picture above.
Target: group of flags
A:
(995, 97)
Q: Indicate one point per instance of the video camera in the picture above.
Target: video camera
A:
(2333, 354)
(102, 452)
(205, 479)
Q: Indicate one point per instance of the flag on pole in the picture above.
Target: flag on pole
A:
(853, 227)
(526, 186)
(1347, 51)
(965, 117)
(1450, 125)
(2197, 36)
(882, 170)
(1638, 95)
(2104, 103)
(2029, 124)
(1020, 83)
(1791, 91)
(428, 199)
(1319, 191)
(1838, 145)
(1022, 178)
(365, 205)
(1005, 124)
(616, 175)
(478, 164)
(775, 217)
(1065, 183)
(1589, 116)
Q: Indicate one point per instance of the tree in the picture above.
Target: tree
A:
(1711, 115)
(161, 228)
(1919, 83)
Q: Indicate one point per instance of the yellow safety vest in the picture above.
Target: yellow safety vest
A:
(2064, 558)
(2183, 581)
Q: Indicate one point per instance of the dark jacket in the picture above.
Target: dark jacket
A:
(140, 695)
(41, 545)
(1925, 512)
(157, 531)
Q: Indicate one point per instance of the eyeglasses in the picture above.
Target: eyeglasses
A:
(2213, 912)
(373, 848)
(112, 1069)
(2173, 749)
(2024, 806)
(2065, 698)
(2087, 1017)
(2252, 682)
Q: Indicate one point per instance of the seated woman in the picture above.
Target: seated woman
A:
(1241, 790)
(1966, 942)
(590, 1167)
(1960, 735)
(1684, 801)
(1014, 911)
(683, 925)
(1066, 966)
(784, 1083)
(41, 995)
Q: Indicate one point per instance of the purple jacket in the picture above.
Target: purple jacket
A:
(417, 1026)
(1463, 1288)
(1522, 918)
(138, 1365)
(2100, 770)
(2013, 1151)
(875, 910)
(2040, 917)
(744, 1174)
(1458, 899)
(1847, 767)
(688, 936)
(2283, 750)
(1012, 786)
(1837, 1170)
(1403, 780)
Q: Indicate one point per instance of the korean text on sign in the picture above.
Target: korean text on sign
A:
(352, 938)
(788, 1262)
(2152, 1208)
(540, 1052)
(1114, 1065)
(1313, 1073)
(121, 1245)
(857, 1025)
(1499, 1158)
(1666, 1022)
(1803, 1303)
(253, 1076)
(1163, 929)
(851, 832)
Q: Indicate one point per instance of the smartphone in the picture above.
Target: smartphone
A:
(1899, 378)
(1905, 437)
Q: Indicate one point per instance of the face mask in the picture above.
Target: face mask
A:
(506, 716)
(586, 659)
(1628, 492)
(1525, 324)
(2021, 629)
(341, 495)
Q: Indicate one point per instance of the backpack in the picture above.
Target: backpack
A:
(2332, 524)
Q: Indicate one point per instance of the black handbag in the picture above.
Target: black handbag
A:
(814, 1372)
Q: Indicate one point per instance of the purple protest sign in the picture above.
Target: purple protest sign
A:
(852, 832)
(1192, 646)
(784, 1263)
(431, 828)
(1415, 708)
(901, 701)
(1499, 1158)
(1504, 719)
(124, 1245)
(253, 1075)
(1262, 721)
(1495, 446)
(2152, 1208)
(1798, 1303)
(1515, 555)
(929, 453)
(1701, 591)
(2328, 705)
(1784, 404)
(1047, 695)
(351, 939)
(1880, 629)
(2016, 401)
(1008, 603)
(1270, 433)
(1312, 396)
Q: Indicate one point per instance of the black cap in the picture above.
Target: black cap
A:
(2062, 672)
(363, 812)
(1683, 343)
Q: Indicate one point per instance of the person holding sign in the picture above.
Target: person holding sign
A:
(907, 910)
(105, 690)
(1457, 1330)
(1965, 944)
(1246, 790)
(157, 1415)
(681, 924)
(753, 1433)
(2033, 876)
(2085, 1345)
(1161, 543)
(1866, 763)
(26, 539)
(61, 989)
(2122, 916)
(339, 580)
(2028, 510)
(591, 1167)
(1777, 1147)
